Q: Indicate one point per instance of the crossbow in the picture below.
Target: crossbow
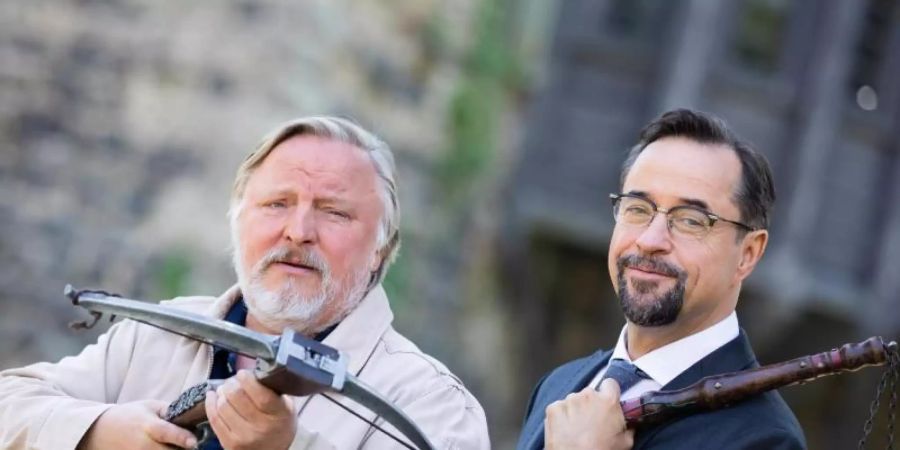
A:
(290, 364)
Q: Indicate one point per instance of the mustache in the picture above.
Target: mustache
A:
(301, 257)
(649, 264)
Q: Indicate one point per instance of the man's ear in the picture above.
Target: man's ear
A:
(377, 260)
(752, 248)
(375, 266)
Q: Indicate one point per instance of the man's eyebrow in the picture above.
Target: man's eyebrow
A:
(683, 200)
(333, 200)
(276, 192)
(641, 194)
(695, 202)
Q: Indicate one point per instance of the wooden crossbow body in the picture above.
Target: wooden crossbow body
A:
(294, 365)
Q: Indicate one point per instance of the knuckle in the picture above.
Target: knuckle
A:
(235, 382)
(222, 403)
(244, 376)
(553, 407)
(229, 388)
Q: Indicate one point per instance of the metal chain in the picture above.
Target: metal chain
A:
(891, 375)
(892, 408)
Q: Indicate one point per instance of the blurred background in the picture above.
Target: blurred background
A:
(122, 123)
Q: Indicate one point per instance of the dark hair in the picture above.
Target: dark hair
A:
(754, 196)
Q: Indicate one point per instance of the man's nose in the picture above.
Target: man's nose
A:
(301, 226)
(656, 237)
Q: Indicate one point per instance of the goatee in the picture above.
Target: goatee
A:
(641, 307)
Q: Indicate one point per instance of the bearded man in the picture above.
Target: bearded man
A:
(691, 225)
(315, 225)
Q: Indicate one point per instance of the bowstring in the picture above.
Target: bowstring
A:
(372, 423)
(331, 399)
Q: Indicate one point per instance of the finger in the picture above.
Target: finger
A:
(553, 408)
(235, 396)
(609, 395)
(585, 395)
(218, 424)
(557, 411)
(548, 432)
(265, 399)
(624, 440)
(167, 433)
(237, 421)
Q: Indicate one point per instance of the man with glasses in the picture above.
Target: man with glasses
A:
(691, 225)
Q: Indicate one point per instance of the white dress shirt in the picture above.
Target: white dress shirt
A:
(667, 362)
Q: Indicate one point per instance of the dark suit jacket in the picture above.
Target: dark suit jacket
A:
(761, 422)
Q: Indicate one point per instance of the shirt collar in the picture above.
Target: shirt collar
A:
(670, 360)
(356, 335)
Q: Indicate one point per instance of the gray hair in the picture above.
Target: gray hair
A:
(343, 130)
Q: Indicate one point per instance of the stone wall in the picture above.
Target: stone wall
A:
(122, 123)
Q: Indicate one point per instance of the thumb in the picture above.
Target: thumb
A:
(168, 433)
(610, 388)
(165, 432)
(158, 407)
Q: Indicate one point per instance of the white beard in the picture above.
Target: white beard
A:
(288, 307)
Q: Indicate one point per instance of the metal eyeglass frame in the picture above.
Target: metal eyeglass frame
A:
(713, 218)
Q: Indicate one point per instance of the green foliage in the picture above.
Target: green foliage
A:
(171, 275)
(491, 73)
(471, 132)
(396, 283)
(760, 35)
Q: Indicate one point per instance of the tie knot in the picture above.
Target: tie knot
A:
(625, 373)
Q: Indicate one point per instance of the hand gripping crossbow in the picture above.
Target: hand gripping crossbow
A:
(289, 364)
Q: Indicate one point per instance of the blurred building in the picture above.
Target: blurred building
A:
(814, 85)
(122, 123)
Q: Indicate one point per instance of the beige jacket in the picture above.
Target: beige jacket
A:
(50, 406)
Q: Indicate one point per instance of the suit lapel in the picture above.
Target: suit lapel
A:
(558, 389)
(733, 356)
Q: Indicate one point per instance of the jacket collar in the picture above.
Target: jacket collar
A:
(223, 303)
(583, 375)
(731, 357)
(734, 356)
(356, 335)
(360, 331)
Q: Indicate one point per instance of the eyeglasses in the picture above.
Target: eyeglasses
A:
(685, 220)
